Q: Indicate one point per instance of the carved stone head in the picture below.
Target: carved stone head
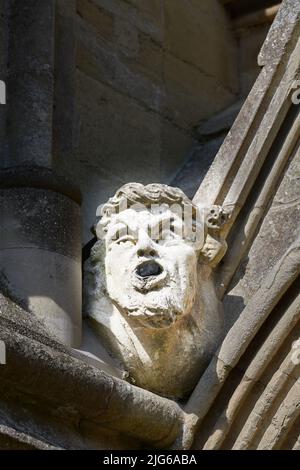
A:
(148, 288)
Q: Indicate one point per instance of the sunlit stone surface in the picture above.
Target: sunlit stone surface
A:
(148, 287)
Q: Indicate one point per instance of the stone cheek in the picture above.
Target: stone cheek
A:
(40, 257)
(153, 283)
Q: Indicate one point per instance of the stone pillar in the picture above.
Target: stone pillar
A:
(40, 231)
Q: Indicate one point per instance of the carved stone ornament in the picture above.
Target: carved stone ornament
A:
(149, 291)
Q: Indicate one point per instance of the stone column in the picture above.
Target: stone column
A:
(40, 231)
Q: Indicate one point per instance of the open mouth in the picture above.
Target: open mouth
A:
(148, 269)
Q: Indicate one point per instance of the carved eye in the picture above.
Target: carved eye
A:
(126, 239)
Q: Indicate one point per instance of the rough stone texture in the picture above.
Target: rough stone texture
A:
(30, 83)
(64, 110)
(280, 228)
(280, 34)
(194, 32)
(143, 80)
(124, 155)
(40, 257)
(66, 402)
(248, 397)
(212, 131)
(250, 41)
(10, 439)
(39, 178)
(221, 122)
(27, 214)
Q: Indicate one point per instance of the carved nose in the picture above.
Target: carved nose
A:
(149, 268)
(145, 245)
(146, 252)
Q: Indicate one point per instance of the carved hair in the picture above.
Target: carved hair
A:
(137, 193)
(156, 193)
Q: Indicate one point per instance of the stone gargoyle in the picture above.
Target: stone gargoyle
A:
(149, 291)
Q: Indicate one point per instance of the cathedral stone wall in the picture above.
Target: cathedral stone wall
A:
(106, 92)
(146, 73)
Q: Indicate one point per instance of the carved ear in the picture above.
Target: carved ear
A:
(215, 246)
(99, 229)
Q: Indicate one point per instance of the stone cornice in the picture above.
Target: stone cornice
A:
(40, 366)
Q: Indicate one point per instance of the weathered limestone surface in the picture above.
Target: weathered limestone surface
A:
(248, 397)
(67, 403)
(250, 24)
(279, 229)
(146, 73)
(192, 173)
(40, 252)
(30, 83)
(148, 286)
(40, 257)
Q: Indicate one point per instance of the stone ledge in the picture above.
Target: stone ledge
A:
(55, 376)
(11, 438)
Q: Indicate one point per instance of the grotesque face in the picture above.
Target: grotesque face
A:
(149, 292)
(151, 268)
